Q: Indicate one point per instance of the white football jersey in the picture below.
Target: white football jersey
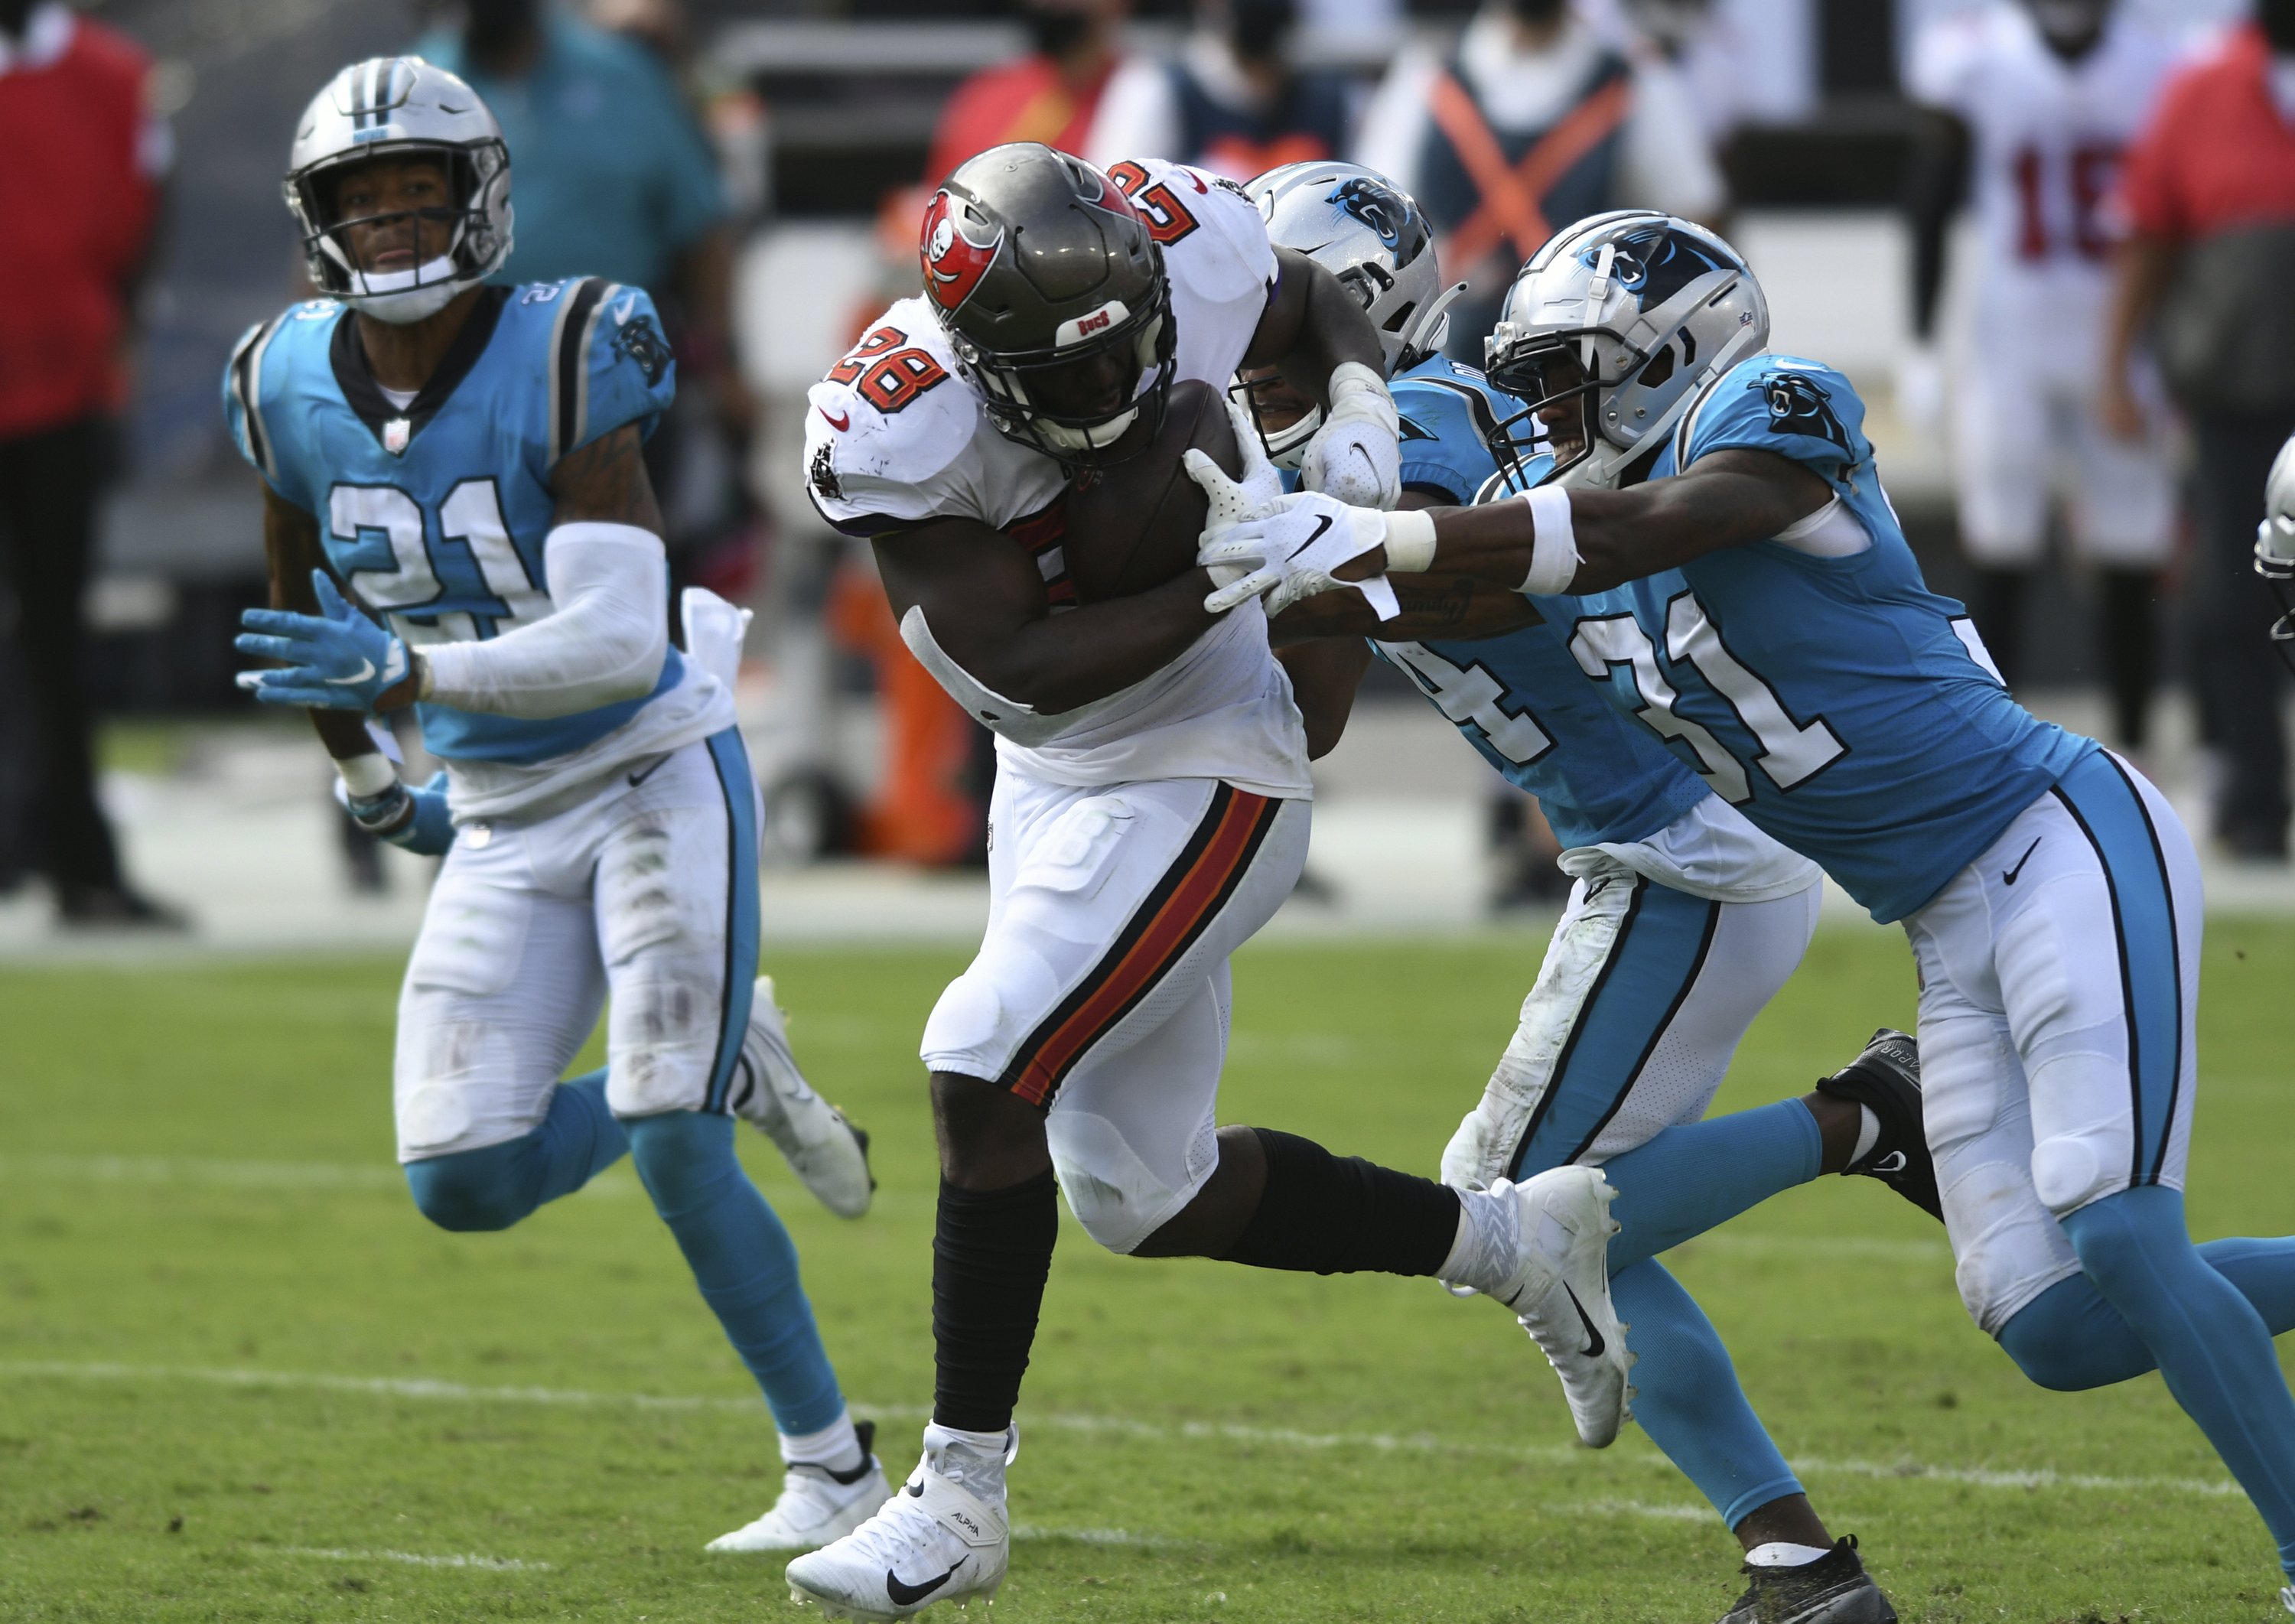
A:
(2046, 140)
(896, 434)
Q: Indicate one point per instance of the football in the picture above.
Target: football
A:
(1134, 525)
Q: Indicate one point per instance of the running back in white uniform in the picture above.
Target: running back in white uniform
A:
(2046, 137)
(1135, 841)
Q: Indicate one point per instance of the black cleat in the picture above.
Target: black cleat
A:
(1887, 1078)
(1833, 1589)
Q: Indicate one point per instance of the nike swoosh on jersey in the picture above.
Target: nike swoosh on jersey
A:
(2009, 878)
(905, 1595)
(622, 311)
(840, 424)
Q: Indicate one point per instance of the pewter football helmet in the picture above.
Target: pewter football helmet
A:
(1051, 287)
(1369, 234)
(1630, 315)
(398, 106)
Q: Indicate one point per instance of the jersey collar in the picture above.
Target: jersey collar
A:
(365, 397)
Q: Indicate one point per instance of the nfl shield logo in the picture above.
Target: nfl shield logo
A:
(394, 435)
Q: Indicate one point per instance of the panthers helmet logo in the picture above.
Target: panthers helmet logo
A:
(1655, 262)
(1799, 405)
(1386, 211)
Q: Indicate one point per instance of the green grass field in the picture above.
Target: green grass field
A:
(241, 1379)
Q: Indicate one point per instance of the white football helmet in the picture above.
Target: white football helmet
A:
(2275, 541)
(1630, 314)
(391, 106)
(1369, 234)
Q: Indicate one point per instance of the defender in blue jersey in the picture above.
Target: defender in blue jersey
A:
(1716, 545)
(465, 461)
(1683, 921)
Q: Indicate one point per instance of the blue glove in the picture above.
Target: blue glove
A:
(414, 820)
(336, 660)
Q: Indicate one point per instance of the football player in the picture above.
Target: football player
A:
(2032, 100)
(1715, 544)
(1683, 919)
(1149, 813)
(465, 459)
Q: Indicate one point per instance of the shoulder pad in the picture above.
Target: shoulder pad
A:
(608, 362)
(885, 430)
(1800, 409)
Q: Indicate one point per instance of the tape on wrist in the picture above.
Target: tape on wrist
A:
(365, 777)
(1409, 542)
(1554, 544)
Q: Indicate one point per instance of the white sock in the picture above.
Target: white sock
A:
(1483, 1255)
(1784, 1553)
(973, 1459)
(1868, 1134)
(836, 1446)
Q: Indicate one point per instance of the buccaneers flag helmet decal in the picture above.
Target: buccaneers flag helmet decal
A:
(953, 264)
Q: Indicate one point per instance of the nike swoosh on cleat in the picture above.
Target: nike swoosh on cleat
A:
(1594, 1343)
(908, 1596)
(365, 672)
(2009, 878)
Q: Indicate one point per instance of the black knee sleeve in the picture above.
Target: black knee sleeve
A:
(991, 1250)
(1333, 1215)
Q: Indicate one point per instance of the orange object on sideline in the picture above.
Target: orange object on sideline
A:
(923, 813)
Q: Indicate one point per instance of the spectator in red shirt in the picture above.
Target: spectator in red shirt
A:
(80, 193)
(1050, 95)
(2208, 192)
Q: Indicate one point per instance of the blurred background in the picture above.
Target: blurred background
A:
(1822, 136)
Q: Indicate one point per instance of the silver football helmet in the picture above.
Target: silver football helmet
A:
(394, 106)
(1612, 332)
(1369, 234)
(2274, 544)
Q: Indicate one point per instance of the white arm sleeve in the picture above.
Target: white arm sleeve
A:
(605, 642)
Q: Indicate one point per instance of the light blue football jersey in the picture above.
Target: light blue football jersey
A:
(436, 515)
(1843, 707)
(1520, 699)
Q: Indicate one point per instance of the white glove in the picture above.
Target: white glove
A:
(1920, 388)
(1355, 455)
(1289, 549)
(1260, 489)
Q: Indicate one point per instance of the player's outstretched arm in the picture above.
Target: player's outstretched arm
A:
(1453, 608)
(1564, 540)
(982, 606)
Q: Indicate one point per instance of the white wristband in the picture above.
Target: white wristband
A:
(1409, 542)
(1553, 550)
(366, 776)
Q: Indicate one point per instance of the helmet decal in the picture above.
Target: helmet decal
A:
(953, 264)
(1655, 262)
(1799, 404)
(1386, 211)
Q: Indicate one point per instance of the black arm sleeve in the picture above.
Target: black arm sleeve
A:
(1936, 181)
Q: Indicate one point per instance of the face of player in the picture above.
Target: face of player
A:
(1095, 386)
(1555, 380)
(1274, 402)
(399, 212)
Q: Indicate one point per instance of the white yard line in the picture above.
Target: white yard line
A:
(491, 1564)
(1414, 1443)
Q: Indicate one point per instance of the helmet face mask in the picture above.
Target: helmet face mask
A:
(1052, 292)
(1611, 332)
(400, 182)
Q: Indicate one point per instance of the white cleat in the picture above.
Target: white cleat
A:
(815, 1509)
(828, 1154)
(2287, 1598)
(933, 1541)
(1560, 1291)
